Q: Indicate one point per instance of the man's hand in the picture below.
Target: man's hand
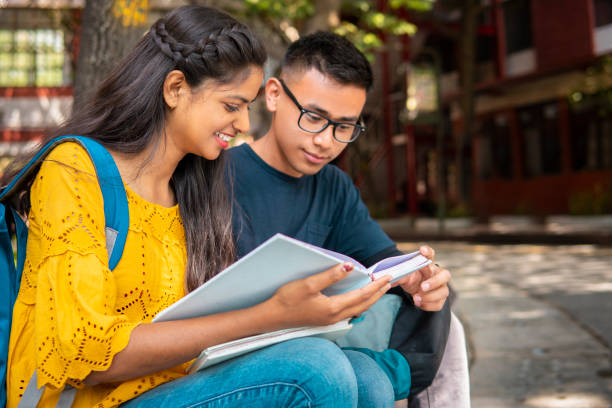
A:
(428, 286)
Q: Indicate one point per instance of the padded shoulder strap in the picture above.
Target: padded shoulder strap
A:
(30, 167)
(116, 212)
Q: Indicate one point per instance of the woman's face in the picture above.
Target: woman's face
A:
(204, 119)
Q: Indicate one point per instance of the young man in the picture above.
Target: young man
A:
(283, 183)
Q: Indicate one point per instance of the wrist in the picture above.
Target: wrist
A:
(271, 315)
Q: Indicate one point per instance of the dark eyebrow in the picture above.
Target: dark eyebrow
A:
(325, 113)
(241, 98)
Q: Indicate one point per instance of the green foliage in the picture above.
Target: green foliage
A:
(416, 5)
(459, 211)
(595, 89)
(365, 41)
(523, 208)
(591, 202)
(389, 23)
(363, 23)
(294, 10)
(377, 209)
(360, 21)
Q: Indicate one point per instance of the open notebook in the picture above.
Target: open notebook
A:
(256, 277)
(279, 260)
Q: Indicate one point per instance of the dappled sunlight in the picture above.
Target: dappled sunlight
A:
(568, 401)
(598, 287)
(491, 291)
(569, 269)
(528, 314)
(533, 316)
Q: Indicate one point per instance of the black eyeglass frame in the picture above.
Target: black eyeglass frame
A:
(359, 127)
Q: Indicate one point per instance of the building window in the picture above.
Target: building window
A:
(603, 12)
(517, 19)
(495, 149)
(591, 134)
(541, 147)
(34, 48)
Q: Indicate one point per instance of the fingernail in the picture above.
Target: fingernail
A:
(417, 300)
(425, 286)
(347, 267)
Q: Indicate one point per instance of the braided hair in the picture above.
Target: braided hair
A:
(127, 114)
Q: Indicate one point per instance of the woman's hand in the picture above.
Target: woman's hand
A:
(301, 303)
(298, 303)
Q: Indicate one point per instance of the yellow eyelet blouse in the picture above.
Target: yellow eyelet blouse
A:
(72, 314)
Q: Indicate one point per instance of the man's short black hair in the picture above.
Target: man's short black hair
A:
(331, 54)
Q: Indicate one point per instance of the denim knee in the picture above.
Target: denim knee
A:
(322, 369)
(307, 372)
(374, 387)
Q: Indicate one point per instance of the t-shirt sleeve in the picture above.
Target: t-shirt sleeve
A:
(355, 233)
(76, 327)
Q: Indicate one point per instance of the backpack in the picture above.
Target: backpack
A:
(12, 225)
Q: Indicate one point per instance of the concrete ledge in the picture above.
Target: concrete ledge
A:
(595, 230)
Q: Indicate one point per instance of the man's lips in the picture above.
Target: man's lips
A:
(314, 158)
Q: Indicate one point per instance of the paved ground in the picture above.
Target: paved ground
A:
(556, 230)
(539, 322)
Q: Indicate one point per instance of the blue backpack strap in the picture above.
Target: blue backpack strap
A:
(31, 166)
(8, 294)
(11, 273)
(116, 211)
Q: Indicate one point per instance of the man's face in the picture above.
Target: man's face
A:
(293, 150)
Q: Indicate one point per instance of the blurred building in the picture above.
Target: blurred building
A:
(543, 106)
(39, 43)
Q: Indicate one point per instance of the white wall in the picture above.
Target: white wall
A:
(603, 39)
(521, 62)
(23, 113)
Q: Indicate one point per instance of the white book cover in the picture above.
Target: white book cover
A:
(277, 261)
(222, 352)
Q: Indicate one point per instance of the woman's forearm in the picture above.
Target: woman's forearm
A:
(157, 346)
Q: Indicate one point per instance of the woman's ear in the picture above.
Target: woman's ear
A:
(174, 84)
(273, 91)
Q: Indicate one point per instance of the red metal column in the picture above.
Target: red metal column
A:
(411, 192)
(387, 129)
(500, 33)
(384, 59)
(515, 139)
(564, 133)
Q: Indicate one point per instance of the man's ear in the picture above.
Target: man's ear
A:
(273, 92)
(174, 84)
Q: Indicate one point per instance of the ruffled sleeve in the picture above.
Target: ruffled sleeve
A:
(77, 329)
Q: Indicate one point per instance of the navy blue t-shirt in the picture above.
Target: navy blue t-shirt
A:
(324, 209)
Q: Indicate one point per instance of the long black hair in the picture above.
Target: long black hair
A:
(127, 114)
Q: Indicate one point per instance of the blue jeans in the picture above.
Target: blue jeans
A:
(306, 372)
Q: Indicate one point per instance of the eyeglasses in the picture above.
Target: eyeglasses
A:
(313, 122)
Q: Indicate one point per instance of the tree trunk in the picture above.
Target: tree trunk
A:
(327, 15)
(471, 9)
(110, 28)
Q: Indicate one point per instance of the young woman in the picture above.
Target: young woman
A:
(165, 114)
